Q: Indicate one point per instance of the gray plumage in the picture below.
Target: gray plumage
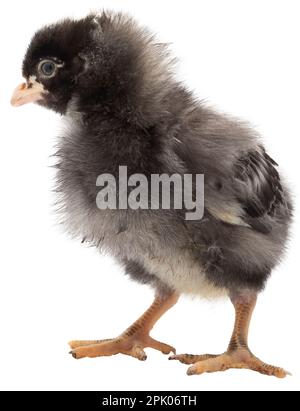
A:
(123, 106)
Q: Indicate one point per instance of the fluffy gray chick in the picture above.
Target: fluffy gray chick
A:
(113, 83)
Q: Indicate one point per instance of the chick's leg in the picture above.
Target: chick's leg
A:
(238, 355)
(133, 340)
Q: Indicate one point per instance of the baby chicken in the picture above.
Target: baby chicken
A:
(113, 83)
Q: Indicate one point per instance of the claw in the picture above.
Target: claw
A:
(73, 354)
(191, 371)
(138, 353)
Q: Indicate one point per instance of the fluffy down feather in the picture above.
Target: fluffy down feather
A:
(124, 107)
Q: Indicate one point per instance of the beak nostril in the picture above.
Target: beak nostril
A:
(22, 86)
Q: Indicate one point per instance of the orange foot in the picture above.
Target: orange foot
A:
(129, 345)
(239, 358)
(134, 339)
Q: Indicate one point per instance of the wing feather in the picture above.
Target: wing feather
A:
(259, 189)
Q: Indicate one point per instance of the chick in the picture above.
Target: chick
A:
(113, 83)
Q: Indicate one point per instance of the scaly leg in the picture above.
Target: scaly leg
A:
(238, 354)
(134, 339)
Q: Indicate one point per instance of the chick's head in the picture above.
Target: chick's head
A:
(84, 62)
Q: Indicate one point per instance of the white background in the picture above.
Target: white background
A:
(242, 57)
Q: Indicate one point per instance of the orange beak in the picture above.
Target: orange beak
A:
(27, 93)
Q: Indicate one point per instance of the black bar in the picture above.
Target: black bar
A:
(102, 400)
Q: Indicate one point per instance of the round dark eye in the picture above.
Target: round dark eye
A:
(47, 68)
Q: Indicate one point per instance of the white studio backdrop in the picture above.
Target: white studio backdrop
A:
(241, 57)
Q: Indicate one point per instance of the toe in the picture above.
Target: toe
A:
(77, 353)
(138, 352)
(190, 358)
(192, 370)
(257, 365)
(102, 349)
(82, 343)
(162, 347)
(213, 364)
(75, 344)
(184, 358)
(196, 369)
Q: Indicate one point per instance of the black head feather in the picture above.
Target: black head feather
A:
(61, 42)
(108, 62)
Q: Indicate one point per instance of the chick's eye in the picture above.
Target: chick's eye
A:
(47, 68)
